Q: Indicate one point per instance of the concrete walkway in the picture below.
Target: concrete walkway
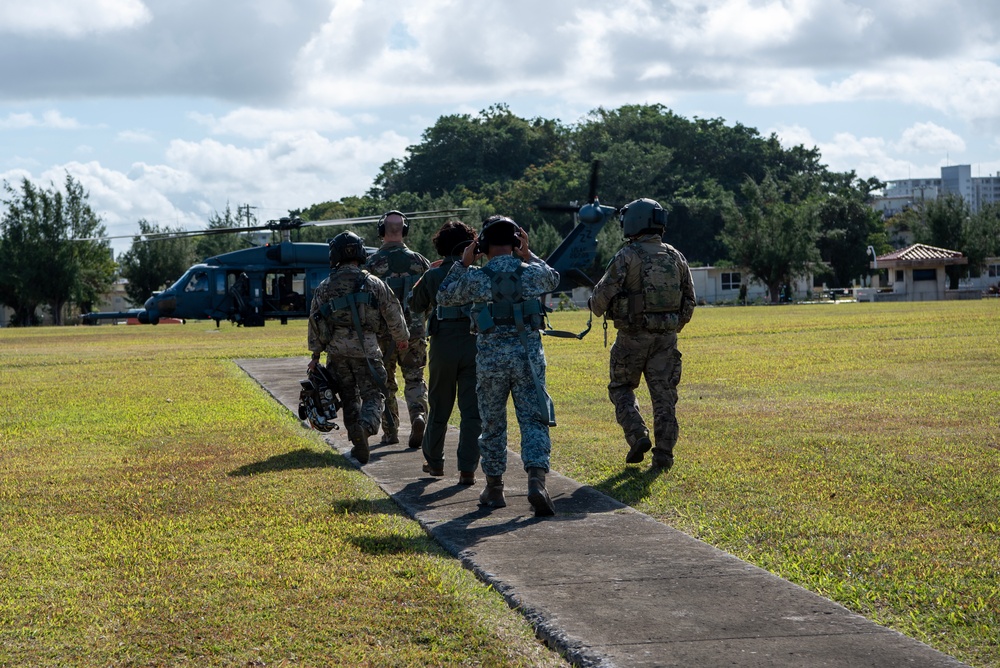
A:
(609, 586)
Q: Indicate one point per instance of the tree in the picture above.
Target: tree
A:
(151, 265)
(472, 151)
(50, 253)
(941, 223)
(773, 233)
(848, 225)
(982, 235)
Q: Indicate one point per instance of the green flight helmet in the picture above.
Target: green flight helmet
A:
(346, 247)
(643, 216)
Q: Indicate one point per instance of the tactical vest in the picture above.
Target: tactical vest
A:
(338, 311)
(401, 286)
(508, 305)
(655, 304)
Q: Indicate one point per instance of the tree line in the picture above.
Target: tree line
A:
(736, 198)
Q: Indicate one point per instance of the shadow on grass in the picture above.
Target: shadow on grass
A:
(630, 485)
(383, 506)
(303, 458)
(394, 544)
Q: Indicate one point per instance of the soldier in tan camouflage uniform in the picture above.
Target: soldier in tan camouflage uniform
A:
(348, 308)
(647, 290)
(400, 268)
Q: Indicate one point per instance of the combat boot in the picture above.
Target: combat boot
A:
(492, 494)
(417, 431)
(661, 462)
(389, 438)
(538, 497)
(359, 438)
(640, 445)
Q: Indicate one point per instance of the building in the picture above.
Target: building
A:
(916, 273)
(714, 285)
(978, 191)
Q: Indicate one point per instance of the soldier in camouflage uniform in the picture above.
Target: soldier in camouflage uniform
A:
(400, 268)
(647, 290)
(451, 360)
(509, 360)
(347, 310)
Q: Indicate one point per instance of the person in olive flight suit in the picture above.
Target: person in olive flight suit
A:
(647, 290)
(451, 361)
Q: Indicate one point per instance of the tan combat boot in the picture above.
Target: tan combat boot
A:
(538, 497)
(492, 494)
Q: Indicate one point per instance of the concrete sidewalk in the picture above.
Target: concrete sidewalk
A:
(609, 586)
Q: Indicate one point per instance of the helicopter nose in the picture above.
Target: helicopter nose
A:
(146, 317)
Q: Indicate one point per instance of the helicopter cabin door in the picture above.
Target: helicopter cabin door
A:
(284, 294)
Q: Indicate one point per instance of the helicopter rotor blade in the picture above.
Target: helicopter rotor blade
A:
(361, 220)
(592, 191)
(279, 225)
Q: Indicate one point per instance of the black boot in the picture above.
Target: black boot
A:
(640, 445)
(538, 497)
(359, 436)
(492, 494)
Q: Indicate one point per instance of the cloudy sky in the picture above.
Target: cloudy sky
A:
(168, 109)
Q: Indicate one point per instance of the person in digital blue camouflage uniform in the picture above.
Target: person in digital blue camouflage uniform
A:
(510, 360)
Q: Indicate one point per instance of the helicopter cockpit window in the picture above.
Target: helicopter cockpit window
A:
(198, 282)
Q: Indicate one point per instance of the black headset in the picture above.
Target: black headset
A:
(482, 241)
(381, 222)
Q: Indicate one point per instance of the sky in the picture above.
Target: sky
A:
(170, 110)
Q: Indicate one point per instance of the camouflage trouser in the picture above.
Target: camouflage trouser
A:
(451, 373)
(411, 362)
(655, 356)
(502, 370)
(362, 397)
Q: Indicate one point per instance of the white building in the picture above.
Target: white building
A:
(954, 180)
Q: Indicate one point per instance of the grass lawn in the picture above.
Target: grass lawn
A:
(853, 449)
(156, 507)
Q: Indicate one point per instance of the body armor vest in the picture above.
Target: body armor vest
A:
(656, 303)
(338, 311)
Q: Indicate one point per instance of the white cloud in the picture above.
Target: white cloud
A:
(71, 18)
(135, 137)
(929, 138)
(48, 119)
(261, 123)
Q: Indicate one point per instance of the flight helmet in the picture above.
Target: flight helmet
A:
(345, 247)
(642, 216)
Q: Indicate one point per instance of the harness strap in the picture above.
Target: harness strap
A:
(546, 410)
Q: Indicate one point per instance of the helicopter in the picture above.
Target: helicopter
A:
(247, 286)
(276, 281)
(579, 249)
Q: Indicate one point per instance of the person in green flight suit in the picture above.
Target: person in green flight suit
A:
(451, 362)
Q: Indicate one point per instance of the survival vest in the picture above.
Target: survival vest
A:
(507, 305)
(400, 262)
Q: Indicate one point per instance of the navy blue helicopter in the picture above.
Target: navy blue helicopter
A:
(276, 281)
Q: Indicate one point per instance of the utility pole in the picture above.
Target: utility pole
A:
(245, 210)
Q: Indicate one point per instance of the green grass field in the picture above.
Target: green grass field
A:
(156, 507)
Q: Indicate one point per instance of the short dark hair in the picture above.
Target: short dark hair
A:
(452, 238)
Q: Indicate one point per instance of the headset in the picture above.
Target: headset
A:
(381, 223)
(482, 240)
